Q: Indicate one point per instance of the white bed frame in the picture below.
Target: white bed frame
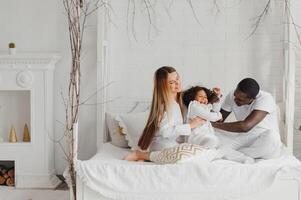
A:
(283, 188)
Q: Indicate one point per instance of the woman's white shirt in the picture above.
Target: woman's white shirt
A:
(170, 128)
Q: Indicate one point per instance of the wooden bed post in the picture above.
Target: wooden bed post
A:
(289, 76)
(102, 73)
(102, 81)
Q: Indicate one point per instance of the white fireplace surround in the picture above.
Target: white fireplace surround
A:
(34, 160)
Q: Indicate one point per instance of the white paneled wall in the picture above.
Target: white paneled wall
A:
(216, 53)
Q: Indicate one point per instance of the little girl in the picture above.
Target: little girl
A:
(204, 103)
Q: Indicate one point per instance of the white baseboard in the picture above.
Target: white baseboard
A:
(37, 181)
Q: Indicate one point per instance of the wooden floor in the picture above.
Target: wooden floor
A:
(7, 193)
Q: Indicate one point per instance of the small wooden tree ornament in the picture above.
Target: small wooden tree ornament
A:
(12, 134)
(26, 135)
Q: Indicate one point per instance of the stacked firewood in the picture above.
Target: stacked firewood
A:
(7, 176)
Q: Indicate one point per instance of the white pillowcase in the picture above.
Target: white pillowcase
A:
(117, 137)
(132, 126)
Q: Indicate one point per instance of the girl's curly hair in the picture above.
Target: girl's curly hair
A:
(190, 94)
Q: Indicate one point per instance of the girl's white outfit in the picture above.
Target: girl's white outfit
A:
(204, 134)
(170, 128)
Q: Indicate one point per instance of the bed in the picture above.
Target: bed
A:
(107, 176)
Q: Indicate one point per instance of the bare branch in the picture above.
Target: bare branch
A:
(97, 91)
(64, 151)
(150, 9)
(167, 9)
(133, 20)
(296, 46)
(105, 102)
(216, 8)
(259, 19)
(288, 11)
(194, 13)
(127, 18)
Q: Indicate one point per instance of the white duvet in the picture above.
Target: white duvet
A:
(114, 178)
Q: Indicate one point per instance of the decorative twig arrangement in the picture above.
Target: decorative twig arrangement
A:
(77, 12)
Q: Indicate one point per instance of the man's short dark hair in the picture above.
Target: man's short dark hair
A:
(249, 86)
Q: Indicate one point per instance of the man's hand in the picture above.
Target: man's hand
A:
(217, 124)
(255, 117)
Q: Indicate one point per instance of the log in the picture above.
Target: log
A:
(2, 170)
(11, 172)
(1, 167)
(10, 181)
(5, 176)
(2, 180)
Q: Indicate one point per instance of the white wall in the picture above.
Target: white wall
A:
(40, 26)
(217, 53)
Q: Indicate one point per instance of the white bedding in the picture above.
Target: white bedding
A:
(112, 177)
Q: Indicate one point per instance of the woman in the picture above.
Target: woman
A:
(165, 121)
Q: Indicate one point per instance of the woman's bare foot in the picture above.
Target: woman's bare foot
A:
(137, 156)
(132, 156)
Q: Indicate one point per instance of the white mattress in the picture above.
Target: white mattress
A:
(109, 153)
(109, 175)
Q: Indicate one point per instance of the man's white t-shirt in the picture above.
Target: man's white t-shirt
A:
(265, 102)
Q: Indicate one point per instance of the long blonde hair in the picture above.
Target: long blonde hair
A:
(161, 103)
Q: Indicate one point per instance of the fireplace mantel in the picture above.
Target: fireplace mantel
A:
(29, 76)
(29, 60)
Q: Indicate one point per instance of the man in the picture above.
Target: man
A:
(256, 126)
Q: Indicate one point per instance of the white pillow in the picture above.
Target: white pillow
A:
(132, 126)
(115, 132)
